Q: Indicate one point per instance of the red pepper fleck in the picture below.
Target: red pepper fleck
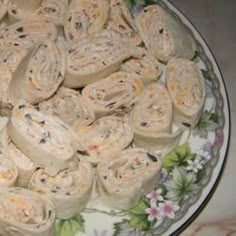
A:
(137, 161)
(93, 147)
(91, 98)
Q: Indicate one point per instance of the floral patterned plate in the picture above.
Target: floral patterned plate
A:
(189, 173)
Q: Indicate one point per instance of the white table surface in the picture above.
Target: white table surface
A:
(216, 20)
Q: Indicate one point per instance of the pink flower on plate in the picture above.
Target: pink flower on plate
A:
(155, 196)
(168, 209)
(219, 139)
(153, 212)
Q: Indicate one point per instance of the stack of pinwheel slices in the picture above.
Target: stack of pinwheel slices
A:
(90, 94)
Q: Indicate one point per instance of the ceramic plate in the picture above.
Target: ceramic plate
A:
(189, 174)
(180, 194)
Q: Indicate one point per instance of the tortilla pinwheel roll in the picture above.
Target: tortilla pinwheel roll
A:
(27, 34)
(162, 35)
(4, 139)
(45, 139)
(22, 9)
(3, 24)
(187, 90)
(55, 10)
(5, 102)
(152, 119)
(69, 190)
(28, 5)
(24, 212)
(8, 172)
(85, 17)
(121, 21)
(115, 94)
(68, 105)
(147, 68)
(4, 8)
(11, 58)
(95, 57)
(39, 74)
(122, 181)
(25, 166)
(105, 138)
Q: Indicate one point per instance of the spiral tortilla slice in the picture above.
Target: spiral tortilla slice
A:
(104, 139)
(187, 90)
(55, 10)
(11, 58)
(122, 181)
(152, 119)
(39, 74)
(8, 172)
(163, 36)
(115, 94)
(85, 17)
(3, 24)
(23, 212)
(121, 21)
(5, 101)
(27, 34)
(69, 190)
(28, 5)
(147, 68)
(22, 9)
(68, 105)
(25, 166)
(4, 139)
(45, 139)
(95, 57)
(4, 8)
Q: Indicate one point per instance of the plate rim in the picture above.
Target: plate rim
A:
(179, 229)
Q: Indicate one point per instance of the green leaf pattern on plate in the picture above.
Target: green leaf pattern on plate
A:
(178, 157)
(70, 227)
(181, 185)
(196, 57)
(206, 75)
(208, 122)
